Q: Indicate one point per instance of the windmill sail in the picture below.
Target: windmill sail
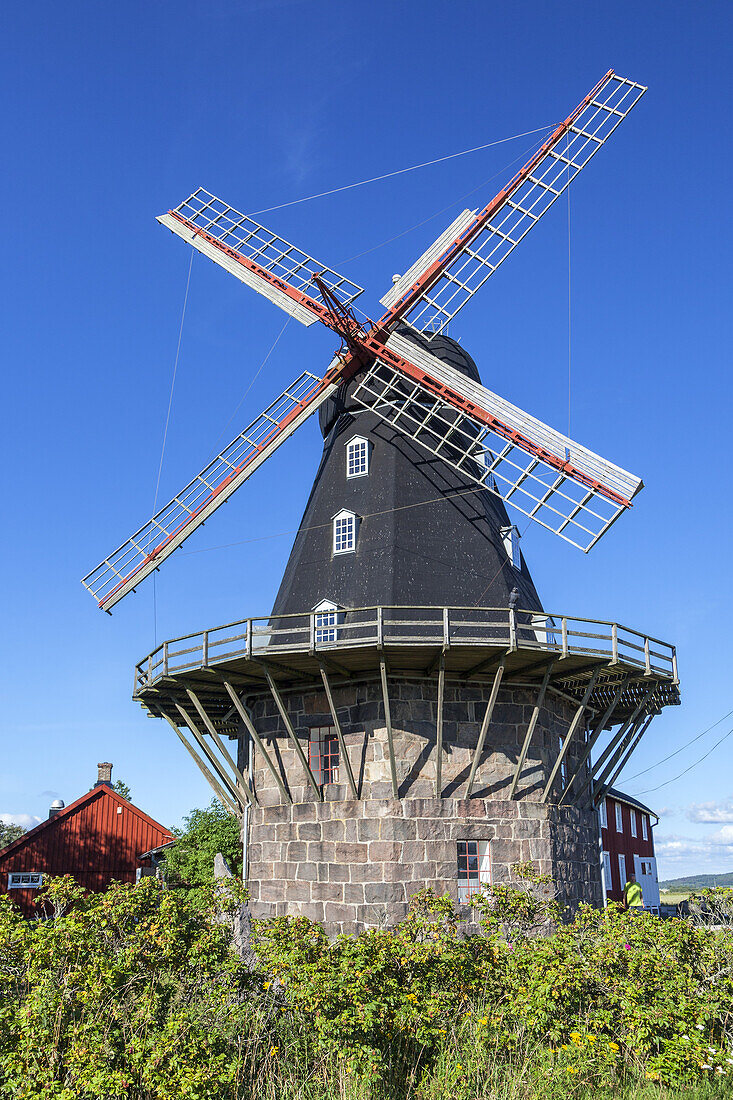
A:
(556, 482)
(256, 256)
(130, 563)
(450, 272)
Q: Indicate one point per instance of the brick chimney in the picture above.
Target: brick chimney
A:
(104, 775)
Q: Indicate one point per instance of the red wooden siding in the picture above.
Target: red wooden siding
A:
(96, 839)
(615, 842)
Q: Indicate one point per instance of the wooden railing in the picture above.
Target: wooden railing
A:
(312, 633)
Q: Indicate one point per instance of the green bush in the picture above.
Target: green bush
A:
(136, 992)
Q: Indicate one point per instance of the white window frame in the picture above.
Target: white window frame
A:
(632, 816)
(345, 525)
(510, 537)
(644, 827)
(326, 619)
(607, 871)
(25, 880)
(357, 457)
(469, 885)
(619, 818)
(603, 814)
(622, 869)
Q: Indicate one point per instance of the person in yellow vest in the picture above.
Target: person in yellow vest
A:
(633, 896)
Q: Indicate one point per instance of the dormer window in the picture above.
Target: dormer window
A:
(510, 535)
(326, 622)
(357, 457)
(344, 532)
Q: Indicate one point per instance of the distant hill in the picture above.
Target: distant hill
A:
(696, 882)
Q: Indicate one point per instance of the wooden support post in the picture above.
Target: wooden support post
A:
(241, 779)
(485, 725)
(218, 767)
(439, 729)
(208, 776)
(249, 725)
(600, 794)
(530, 730)
(615, 741)
(640, 715)
(339, 733)
(292, 735)
(571, 732)
(388, 722)
(597, 730)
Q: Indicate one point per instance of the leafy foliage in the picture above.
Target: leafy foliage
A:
(122, 789)
(136, 992)
(9, 833)
(191, 860)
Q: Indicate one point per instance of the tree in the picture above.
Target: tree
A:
(9, 833)
(206, 832)
(122, 789)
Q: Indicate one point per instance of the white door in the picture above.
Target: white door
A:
(646, 875)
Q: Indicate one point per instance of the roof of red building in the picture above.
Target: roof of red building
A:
(619, 796)
(101, 790)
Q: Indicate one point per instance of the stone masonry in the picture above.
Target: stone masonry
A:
(354, 863)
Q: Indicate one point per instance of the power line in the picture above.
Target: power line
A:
(398, 172)
(680, 749)
(650, 790)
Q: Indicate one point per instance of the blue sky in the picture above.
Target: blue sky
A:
(114, 113)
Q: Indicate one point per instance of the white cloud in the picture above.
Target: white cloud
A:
(711, 813)
(684, 855)
(28, 821)
(723, 837)
(666, 811)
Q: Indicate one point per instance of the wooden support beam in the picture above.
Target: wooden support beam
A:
(208, 776)
(570, 734)
(292, 735)
(487, 663)
(388, 722)
(613, 744)
(485, 724)
(241, 779)
(234, 792)
(621, 748)
(523, 672)
(339, 733)
(249, 725)
(597, 730)
(600, 794)
(439, 728)
(530, 730)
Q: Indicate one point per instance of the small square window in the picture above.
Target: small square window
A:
(323, 754)
(474, 867)
(344, 533)
(619, 818)
(357, 457)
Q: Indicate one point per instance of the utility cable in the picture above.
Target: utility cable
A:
(399, 171)
(666, 783)
(680, 749)
(165, 434)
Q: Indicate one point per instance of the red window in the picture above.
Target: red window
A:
(474, 867)
(323, 754)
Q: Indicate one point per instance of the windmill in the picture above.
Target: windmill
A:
(408, 687)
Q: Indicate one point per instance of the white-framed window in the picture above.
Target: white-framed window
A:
(622, 869)
(323, 754)
(645, 827)
(603, 814)
(619, 819)
(25, 880)
(510, 536)
(344, 532)
(357, 457)
(474, 867)
(632, 815)
(607, 871)
(327, 618)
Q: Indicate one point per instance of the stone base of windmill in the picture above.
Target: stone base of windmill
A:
(353, 863)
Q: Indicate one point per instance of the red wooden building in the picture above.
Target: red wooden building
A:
(628, 844)
(99, 837)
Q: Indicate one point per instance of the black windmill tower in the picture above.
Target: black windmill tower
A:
(409, 714)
